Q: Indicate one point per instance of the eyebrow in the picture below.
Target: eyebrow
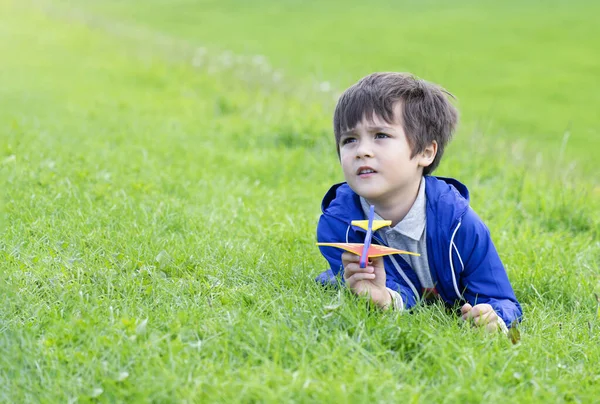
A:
(370, 129)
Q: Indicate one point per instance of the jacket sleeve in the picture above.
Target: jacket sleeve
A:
(408, 298)
(328, 232)
(483, 277)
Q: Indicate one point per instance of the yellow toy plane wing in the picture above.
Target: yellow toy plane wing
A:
(377, 224)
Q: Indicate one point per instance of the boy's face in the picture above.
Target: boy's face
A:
(376, 160)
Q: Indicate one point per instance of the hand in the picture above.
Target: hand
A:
(482, 315)
(369, 281)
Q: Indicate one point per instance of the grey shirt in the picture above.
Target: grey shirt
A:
(409, 234)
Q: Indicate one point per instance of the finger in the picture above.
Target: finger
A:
(479, 310)
(465, 310)
(352, 269)
(473, 313)
(483, 318)
(483, 308)
(355, 268)
(351, 281)
(347, 258)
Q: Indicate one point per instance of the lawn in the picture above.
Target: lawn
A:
(163, 166)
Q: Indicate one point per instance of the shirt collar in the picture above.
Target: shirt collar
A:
(413, 224)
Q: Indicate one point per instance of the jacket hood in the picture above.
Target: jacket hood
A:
(447, 196)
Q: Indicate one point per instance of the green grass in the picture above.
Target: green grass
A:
(140, 175)
(520, 69)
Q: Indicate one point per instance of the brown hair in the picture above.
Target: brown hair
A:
(427, 113)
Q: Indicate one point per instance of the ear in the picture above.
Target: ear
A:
(428, 154)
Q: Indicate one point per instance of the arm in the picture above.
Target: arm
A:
(483, 277)
(328, 232)
(369, 281)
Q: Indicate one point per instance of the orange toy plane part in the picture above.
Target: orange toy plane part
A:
(375, 250)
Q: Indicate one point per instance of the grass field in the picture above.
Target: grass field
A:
(163, 166)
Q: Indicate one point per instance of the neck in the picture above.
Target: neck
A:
(397, 206)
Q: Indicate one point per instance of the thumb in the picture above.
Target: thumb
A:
(377, 262)
(379, 269)
(378, 266)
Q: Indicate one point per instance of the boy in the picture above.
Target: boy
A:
(391, 130)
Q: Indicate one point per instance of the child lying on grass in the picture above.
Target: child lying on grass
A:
(391, 130)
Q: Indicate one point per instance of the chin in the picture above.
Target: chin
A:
(370, 196)
(366, 191)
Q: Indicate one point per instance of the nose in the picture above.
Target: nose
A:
(364, 149)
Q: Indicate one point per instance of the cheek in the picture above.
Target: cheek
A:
(345, 161)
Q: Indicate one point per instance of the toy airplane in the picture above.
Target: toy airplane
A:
(367, 250)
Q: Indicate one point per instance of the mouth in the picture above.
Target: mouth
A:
(365, 171)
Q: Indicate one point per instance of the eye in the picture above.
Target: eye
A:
(381, 135)
(347, 140)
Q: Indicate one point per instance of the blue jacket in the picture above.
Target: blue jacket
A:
(464, 263)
